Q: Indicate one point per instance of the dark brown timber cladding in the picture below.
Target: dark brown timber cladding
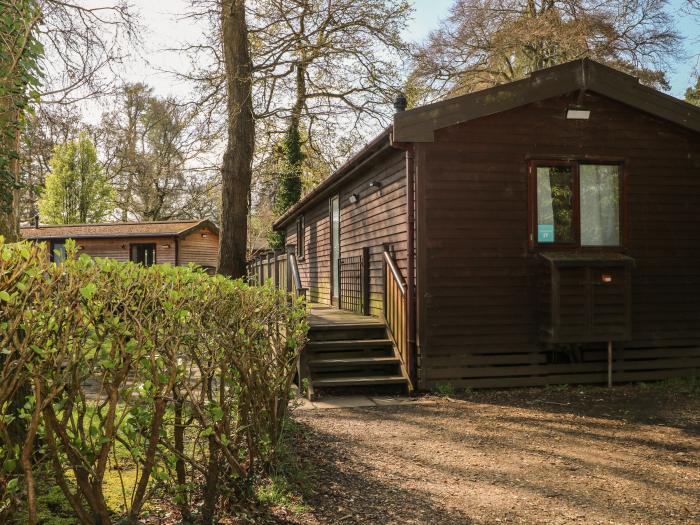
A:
(379, 217)
(477, 281)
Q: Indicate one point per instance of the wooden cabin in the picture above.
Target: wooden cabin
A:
(549, 220)
(175, 242)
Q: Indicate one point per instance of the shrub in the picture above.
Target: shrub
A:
(445, 389)
(193, 375)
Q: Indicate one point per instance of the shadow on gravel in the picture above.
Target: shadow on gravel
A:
(531, 456)
(347, 491)
(653, 404)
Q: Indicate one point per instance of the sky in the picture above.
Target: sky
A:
(163, 30)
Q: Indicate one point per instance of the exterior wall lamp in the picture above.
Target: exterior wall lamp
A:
(578, 114)
(354, 198)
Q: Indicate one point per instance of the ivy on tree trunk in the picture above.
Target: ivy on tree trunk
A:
(19, 80)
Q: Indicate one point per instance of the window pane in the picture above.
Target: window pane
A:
(555, 204)
(335, 245)
(59, 252)
(143, 254)
(600, 205)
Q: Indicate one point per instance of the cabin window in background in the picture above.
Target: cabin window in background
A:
(58, 251)
(301, 238)
(143, 254)
(575, 204)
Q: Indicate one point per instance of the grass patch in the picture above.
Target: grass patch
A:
(291, 479)
(445, 389)
(52, 507)
(557, 388)
(676, 385)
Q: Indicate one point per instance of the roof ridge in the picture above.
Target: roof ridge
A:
(119, 223)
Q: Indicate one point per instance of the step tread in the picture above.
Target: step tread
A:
(349, 343)
(359, 380)
(372, 325)
(353, 360)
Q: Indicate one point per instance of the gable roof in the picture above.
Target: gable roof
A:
(117, 230)
(420, 124)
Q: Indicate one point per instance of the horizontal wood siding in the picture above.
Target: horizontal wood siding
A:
(378, 218)
(200, 247)
(477, 281)
(119, 248)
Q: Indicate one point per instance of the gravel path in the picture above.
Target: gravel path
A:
(527, 456)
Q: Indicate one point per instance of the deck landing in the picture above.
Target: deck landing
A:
(322, 315)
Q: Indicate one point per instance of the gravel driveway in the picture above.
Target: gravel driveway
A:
(551, 456)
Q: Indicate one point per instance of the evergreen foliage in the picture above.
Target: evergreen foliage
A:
(692, 94)
(290, 180)
(76, 190)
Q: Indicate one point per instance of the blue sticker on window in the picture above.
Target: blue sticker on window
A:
(545, 233)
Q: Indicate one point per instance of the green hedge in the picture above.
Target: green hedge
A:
(175, 377)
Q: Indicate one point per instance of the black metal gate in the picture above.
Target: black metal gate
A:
(354, 283)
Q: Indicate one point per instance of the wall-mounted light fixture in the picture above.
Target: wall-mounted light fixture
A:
(204, 236)
(375, 184)
(354, 198)
(578, 114)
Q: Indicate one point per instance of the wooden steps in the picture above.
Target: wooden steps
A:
(351, 356)
(354, 381)
(354, 361)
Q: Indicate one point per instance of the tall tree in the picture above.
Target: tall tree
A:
(236, 171)
(487, 42)
(153, 149)
(322, 70)
(76, 189)
(20, 52)
(49, 126)
(321, 64)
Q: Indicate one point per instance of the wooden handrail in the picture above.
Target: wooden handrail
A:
(395, 311)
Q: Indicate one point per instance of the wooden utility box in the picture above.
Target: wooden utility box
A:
(585, 297)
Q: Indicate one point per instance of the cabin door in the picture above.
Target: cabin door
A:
(335, 249)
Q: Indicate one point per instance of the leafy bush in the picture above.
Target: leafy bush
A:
(169, 373)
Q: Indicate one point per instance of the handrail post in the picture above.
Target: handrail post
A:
(365, 280)
(289, 270)
(385, 247)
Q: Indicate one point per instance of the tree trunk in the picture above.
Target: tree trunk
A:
(236, 171)
(211, 489)
(9, 223)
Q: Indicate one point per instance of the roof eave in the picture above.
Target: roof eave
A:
(99, 236)
(206, 223)
(378, 144)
